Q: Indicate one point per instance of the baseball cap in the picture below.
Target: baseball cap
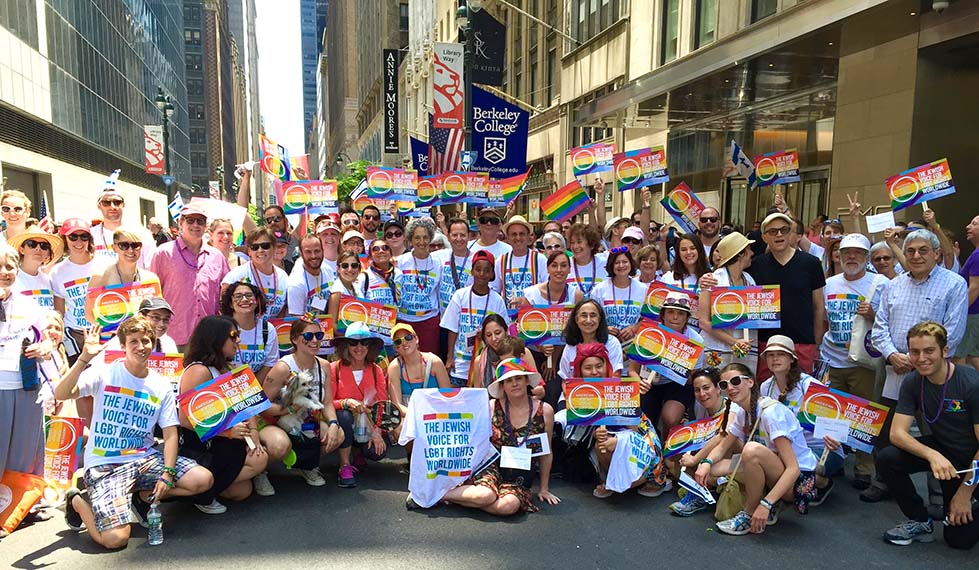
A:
(855, 241)
(327, 225)
(192, 210)
(775, 216)
(154, 303)
(75, 225)
(484, 255)
(351, 234)
(633, 232)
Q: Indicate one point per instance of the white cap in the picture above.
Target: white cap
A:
(857, 241)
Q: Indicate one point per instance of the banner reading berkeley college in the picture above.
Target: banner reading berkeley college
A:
(499, 135)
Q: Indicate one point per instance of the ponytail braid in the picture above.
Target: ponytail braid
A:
(727, 414)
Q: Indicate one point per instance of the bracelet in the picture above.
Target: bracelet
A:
(167, 483)
(85, 362)
(707, 460)
(172, 471)
(333, 423)
(767, 504)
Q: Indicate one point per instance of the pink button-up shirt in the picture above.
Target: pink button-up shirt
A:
(191, 284)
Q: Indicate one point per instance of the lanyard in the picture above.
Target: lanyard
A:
(509, 426)
(309, 290)
(386, 278)
(275, 282)
(461, 268)
(564, 294)
(577, 280)
(629, 288)
(121, 280)
(180, 251)
(420, 281)
(507, 266)
(485, 307)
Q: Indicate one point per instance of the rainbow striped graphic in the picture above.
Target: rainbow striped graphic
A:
(691, 436)
(512, 187)
(915, 185)
(684, 206)
(392, 183)
(639, 168)
(62, 446)
(82, 281)
(592, 158)
(666, 352)
(429, 191)
(448, 416)
(218, 404)
(565, 202)
(757, 307)
(132, 394)
(602, 401)
(780, 167)
(378, 318)
(453, 187)
(273, 158)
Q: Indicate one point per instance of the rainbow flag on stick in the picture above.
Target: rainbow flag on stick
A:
(566, 202)
(219, 404)
(684, 206)
(504, 191)
(916, 185)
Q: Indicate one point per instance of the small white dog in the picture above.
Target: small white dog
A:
(296, 393)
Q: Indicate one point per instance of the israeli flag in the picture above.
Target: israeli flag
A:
(359, 191)
(176, 206)
(742, 164)
(974, 478)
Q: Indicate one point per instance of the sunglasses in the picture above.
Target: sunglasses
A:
(782, 231)
(406, 338)
(234, 335)
(371, 217)
(257, 246)
(486, 220)
(631, 240)
(619, 249)
(76, 237)
(348, 265)
(393, 235)
(196, 221)
(14, 209)
(349, 222)
(683, 302)
(379, 248)
(553, 246)
(273, 219)
(359, 341)
(239, 297)
(882, 258)
(127, 245)
(708, 219)
(33, 243)
(734, 381)
(309, 336)
(116, 203)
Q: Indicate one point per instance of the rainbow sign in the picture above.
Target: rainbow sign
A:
(218, 404)
(378, 318)
(602, 401)
(392, 183)
(639, 168)
(477, 187)
(62, 446)
(565, 202)
(684, 206)
(691, 436)
(273, 158)
(670, 354)
(656, 294)
(592, 158)
(757, 307)
(282, 326)
(926, 182)
(866, 417)
(505, 190)
(781, 167)
(453, 187)
(113, 304)
(429, 191)
(170, 366)
(310, 196)
(541, 325)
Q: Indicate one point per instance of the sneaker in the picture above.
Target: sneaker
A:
(862, 482)
(214, 508)
(689, 505)
(738, 525)
(313, 477)
(72, 518)
(263, 487)
(410, 503)
(141, 509)
(910, 531)
(773, 514)
(821, 494)
(652, 491)
(875, 495)
(346, 477)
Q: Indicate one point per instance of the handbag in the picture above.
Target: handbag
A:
(861, 351)
(732, 497)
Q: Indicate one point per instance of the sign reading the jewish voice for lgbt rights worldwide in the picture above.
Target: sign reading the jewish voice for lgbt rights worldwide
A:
(378, 318)
(429, 191)
(668, 353)
(684, 206)
(311, 196)
(691, 436)
(592, 158)
(499, 135)
(656, 294)
(781, 167)
(392, 183)
(542, 325)
(62, 446)
(640, 168)
(916, 185)
(113, 304)
(477, 188)
(453, 188)
(602, 401)
(866, 417)
(218, 404)
(170, 366)
(505, 190)
(757, 307)
(565, 202)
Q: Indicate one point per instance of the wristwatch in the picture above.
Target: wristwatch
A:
(333, 423)
(765, 503)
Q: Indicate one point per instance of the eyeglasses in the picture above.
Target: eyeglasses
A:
(127, 245)
(156, 319)
(234, 335)
(76, 237)
(273, 219)
(631, 240)
(359, 341)
(371, 217)
(487, 220)
(553, 246)
(257, 246)
(406, 338)
(782, 231)
(434, 246)
(115, 203)
(348, 265)
(196, 221)
(909, 252)
(709, 219)
(14, 209)
(309, 336)
(379, 248)
(734, 381)
(351, 222)
(393, 235)
(239, 297)
(882, 258)
(33, 243)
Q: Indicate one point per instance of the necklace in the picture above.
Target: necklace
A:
(423, 280)
(177, 247)
(577, 280)
(941, 402)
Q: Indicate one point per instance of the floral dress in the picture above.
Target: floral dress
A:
(502, 481)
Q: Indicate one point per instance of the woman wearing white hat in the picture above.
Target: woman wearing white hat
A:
(721, 347)
(38, 251)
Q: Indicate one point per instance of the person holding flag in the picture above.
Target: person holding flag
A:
(520, 268)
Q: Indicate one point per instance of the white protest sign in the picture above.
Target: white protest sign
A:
(838, 429)
(880, 222)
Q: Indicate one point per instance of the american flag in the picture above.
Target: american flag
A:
(45, 222)
(444, 146)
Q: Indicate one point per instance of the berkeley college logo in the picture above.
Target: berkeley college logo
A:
(494, 149)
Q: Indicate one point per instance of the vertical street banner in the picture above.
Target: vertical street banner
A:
(916, 185)
(214, 189)
(781, 167)
(419, 156)
(684, 206)
(391, 134)
(153, 142)
(448, 89)
(499, 135)
(489, 46)
(636, 169)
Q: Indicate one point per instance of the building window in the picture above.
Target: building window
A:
(403, 17)
(195, 62)
(195, 87)
(591, 17)
(589, 134)
(762, 9)
(517, 78)
(671, 31)
(192, 37)
(196, 111)
(198, 136)
(192, 14)
(198, 159)
(706, 23)
(147, 209)
(551, 74)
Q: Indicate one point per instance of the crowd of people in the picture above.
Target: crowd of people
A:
(894, 322)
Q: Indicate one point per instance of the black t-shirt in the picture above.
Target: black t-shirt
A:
(954, 429)
(798, 278)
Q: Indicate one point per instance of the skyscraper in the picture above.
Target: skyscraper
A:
(312, 22)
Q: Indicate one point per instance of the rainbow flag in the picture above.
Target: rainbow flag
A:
(218, 404)
(691, 436)
(592, 158)
(602, 401)
(504, 191)
(565, 202)
(273, 158)
(639, 168)
(916, 185)
(669, 353)
(453, 187)
(757, 307)
(684, 206)
(429, 191)
(780, 167)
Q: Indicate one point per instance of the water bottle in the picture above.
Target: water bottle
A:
(155, 521)
(28, 368)
(361, 429)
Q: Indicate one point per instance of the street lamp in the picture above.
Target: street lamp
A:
(167, 111)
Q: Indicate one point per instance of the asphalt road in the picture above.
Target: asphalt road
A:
(368, 527)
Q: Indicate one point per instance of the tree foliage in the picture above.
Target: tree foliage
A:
(350, 178)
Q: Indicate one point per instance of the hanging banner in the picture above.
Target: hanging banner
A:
(299, 167)
(542, 325)
(448, 90)
(273, 158)
(592, 159)
(419, 156)
(170, 366)
(391, 132)
(564, 203)
(656, 294)
(310, 196)
(223, 402)
(378, 318)
(668, 353)
(640, 168)
(477, 188)
(153, 145)
(757, 307)
(866, 418)
(781, 167)
(602, 401)
(429, 191)
(691, 436)
(453, 188)
(499, 135)
(684, 206)
(392, 183)
(489, 57)
(113, 304)
(916, 185)
(62, 447)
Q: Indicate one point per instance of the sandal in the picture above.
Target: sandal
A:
(601, 492)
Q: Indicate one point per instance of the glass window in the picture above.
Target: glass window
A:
(762, 9)
(534, 88)
(551, 74)
(591, 17)
(706, 23)
(671, 31)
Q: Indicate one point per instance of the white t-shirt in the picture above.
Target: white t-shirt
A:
(463, 271)
(690, 282)
(632, 458)
(418, 287)
(465, 316)
(439, 461)
(588, 276)
(497, 249)
(842, 297)
(304, 287)
(514, 274)
(713, 343)
(254, 351)
(69, 281)
(379, 290)
(776, 421)
(38, 287)
(614, 348)
(622, 305)
(126, 410)
(536, 297)
(274, 286)
(793, 400)
(816, 251)
(102, 240)
(22, 314)
(357, 290)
